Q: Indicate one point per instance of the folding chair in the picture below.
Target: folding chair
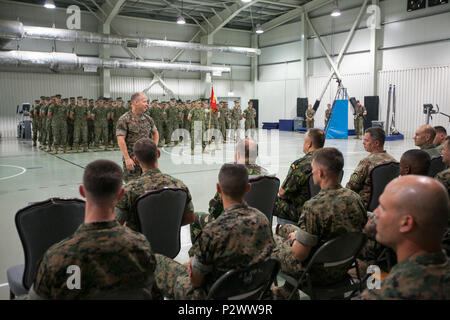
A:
(263, 194)
(381, 175)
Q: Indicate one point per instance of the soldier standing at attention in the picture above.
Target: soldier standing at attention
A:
(34, 115)
(294, 191)
(100, 116)
(172, 120)
(43, 114)
(222, 120)
(327, 114)
(186, 111)
(90, 123)
(131, 127)
(309, 114)
(239, 238)
(70, 123)
(156, 114)
(79, 115)
(111, 131)
(250, 115)
(361, 180)
(119, 110)
(146, 155)
(120, 266)
(58, 113)
(197, 119)
(333, 212)
(41, 122)
(360, 113)
(236, 116)
(411, 219)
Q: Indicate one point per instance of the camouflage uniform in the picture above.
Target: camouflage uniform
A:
(91, 126)
(431, 150)
(236, 115)
(250, 115)
(47, 137)
(171, 123)
(296, 189)
(444, 178)
(310, 113)
(34, 115)
(216, 204)
(360, 180)
(186, 123)
(113, 260)
(222, 122)
(80, 129)
(42, 128)
(197, 114)
(152, 179)
(100, 114)
(239, 238)
(421, 277)
(134, 127)
(327, 116)
(70, 126)
(59, 125)
(359, 120)
(334, 211)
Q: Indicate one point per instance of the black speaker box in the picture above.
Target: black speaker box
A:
(372, 105)
(302, 106)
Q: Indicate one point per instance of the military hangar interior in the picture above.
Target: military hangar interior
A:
(392, 56)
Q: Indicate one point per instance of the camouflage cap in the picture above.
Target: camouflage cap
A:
(72, 98)
(80, 97)
(173, 99)
(119, 98)
(100, 99)
(42, 97)
(47, 98)
(188, 101)
(65, 99)
(236, 100)
(37, 100)
(58, 96)
(91, 100)
(154, 100)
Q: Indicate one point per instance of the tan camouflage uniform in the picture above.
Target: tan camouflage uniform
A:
(113, 260)
(431, 150)
(239, 238)
(422, 277)
(333, 212)
(444, 178)
(134, 127)
(152, 179)
(310, 123)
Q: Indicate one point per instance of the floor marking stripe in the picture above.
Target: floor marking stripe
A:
(15, 175)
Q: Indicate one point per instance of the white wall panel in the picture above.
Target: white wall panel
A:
(416, 87)
(281, 53)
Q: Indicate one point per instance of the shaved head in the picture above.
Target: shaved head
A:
(246, 150)
(424, 135)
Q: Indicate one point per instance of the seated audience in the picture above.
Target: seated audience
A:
(240, 237)
(411, 219)
(441, 134)
(360, 180)
(246, 154)
(114, 261)
(146, 156)
(444, 176)
(333, 212)
(415, 162)
(294, 190)
(424, 138)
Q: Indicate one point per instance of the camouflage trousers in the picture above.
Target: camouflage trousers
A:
(359, 126)
(80, 134)
(111, 133)
(250, 124)
(235, 124)
(309, 124)
(285, 210)
(133, 174)
(70, 132)
(223, 129)
(193, 139)
(101, 133)
(91, 131)
(200, 221)
(114, 137)
(49, 133)
(60, 135)
(170, 127)
(283, 251)
(36, 125)
(173, 281)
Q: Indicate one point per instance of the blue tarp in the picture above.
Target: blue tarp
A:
(338, 126)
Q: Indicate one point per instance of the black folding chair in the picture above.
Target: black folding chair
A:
(251, 283)
(40, 226)
(314, 189)
(263, 194)
(339, 252)
(436, 166)
(381, 175)
(159, 215)
(446, 242)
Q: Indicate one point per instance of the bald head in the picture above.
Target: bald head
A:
(413, 209)
(424, 135)
(246, 151)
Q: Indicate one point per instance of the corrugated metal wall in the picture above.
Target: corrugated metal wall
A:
(18, 88)
(416, 87)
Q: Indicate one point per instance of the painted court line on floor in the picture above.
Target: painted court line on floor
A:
(14, 175)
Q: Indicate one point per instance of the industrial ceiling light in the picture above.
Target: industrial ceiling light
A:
(181, 20)
(49, 4)
(246, 1)
(336, 12)
(259, 29)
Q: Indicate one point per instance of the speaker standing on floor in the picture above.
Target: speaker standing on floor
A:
(372, 104)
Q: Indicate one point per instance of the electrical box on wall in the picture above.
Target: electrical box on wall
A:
(416, 4)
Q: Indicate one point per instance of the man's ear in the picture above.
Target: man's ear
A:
(82, 191)
(158, 153)
(406, 224)
(219, 189)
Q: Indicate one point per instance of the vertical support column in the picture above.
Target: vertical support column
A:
(206, 60)
(105, 74)
(254, 64)
(304, 57)
(375, 59)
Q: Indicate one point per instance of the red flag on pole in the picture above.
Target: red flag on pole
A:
(212, 102)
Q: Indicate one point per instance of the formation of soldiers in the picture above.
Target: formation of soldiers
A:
(71, 124)
(76, 124)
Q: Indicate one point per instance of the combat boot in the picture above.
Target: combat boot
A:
(34, 143)
(106, 148)
(55, 151)
(65, 150)
(192, 152)
(75, 149)
(85, 149)
(49, 148)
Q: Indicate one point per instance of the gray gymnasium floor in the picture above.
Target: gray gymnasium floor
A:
(28, 174)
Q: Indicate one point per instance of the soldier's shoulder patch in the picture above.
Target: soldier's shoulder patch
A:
(293, 166)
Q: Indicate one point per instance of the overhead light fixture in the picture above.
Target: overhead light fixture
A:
(246, 1)
(259, 29)
(336, 12)
(230, 93)
(181, 20)
(49, 4)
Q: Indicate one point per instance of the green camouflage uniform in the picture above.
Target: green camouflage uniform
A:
(239, 238)
(360, 180)
(34, 115)
(250, 115)
(199, 116)
(70, 126)
(100, 114)
(440, 147)
(42, 131)
(59, 125)
(80, 129)
(359, 120)
(310, 123)
(171, 123)
(327, 116)
(227, 113)
(296, 191)
(444, 178)
(118, 112)
(334, 211)
(236, 114)
(152, 179)
(47, 137)
(422, 277)
(91, 126)
(216, 204)
(134, 127)
(186, 123)
(114, 262)
(431, 150)
(222, 122)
